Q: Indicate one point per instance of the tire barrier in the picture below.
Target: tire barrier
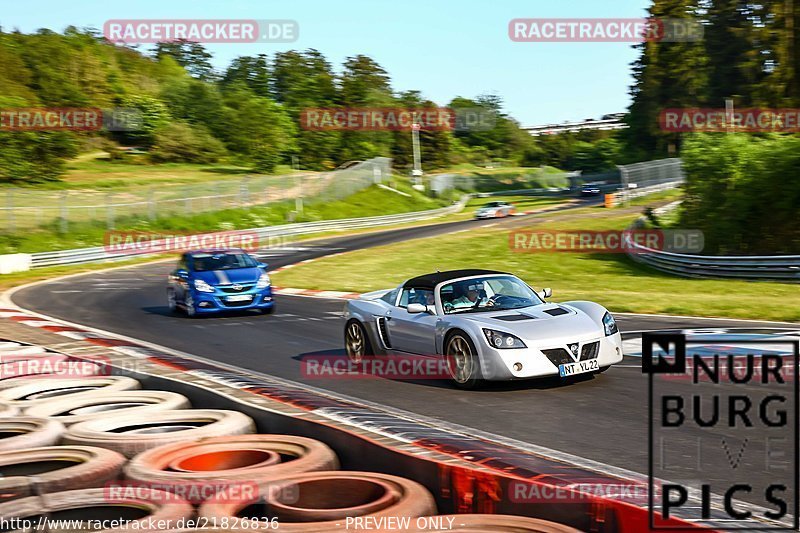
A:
(321, 501)
(260, 458)
(7, 409)
(81, 408)
(145, 507)
(20, 349)
(485, 523)
(131, 434)
(56, 468)
(23, 432)
(27, 393)
(436, 457)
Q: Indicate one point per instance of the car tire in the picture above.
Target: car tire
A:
(135, 433)
(188, 305)
(462, 361)
(228, 459)
(159, 507)
(356, 341)
(87, 467)
(74, 409)
(29, 432)
(320, 501)
(172, 301)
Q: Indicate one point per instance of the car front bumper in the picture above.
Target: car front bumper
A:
(499, 365)
(216, 302)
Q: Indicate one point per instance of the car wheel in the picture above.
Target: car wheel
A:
(188, 303)
(172, 302)
(356, 341)
(462, 361)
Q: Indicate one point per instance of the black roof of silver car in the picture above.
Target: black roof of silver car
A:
(429, 281)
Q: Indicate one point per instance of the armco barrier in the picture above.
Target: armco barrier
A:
(784, 268)
(465, 473)
(99, 253)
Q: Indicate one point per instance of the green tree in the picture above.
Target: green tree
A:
(180, 142)
(252, 71)
(155, 115)
(33, 157)
(666, 75)
(190, 55)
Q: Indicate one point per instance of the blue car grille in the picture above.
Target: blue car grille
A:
(239, 288)
(238, 304)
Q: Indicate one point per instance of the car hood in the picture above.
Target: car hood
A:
(540, 321)
(229, 276)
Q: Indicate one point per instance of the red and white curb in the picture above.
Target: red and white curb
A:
(334, 295)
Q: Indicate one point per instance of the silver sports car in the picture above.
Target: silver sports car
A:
(486, 325)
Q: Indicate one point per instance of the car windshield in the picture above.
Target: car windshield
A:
(222, 261)
(494, 204)
(491, 293)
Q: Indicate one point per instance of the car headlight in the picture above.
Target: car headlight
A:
(609, 324)
(500, 340)
(202, 286)
(263, 281)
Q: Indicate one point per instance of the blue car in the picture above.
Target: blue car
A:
(211, 281)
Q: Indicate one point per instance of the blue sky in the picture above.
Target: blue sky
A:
(444, 48)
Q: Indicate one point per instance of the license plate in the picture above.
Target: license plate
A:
(239, 298)
(570, 369)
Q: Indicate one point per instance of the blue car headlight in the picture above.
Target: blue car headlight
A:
(263, 281)
(609, 324)
(501, 340)
(202, 286)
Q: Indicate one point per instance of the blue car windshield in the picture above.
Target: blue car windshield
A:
(222, 261)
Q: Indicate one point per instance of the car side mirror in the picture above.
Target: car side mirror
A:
(417, 308)
(182, 273)
(262, 265)
(546, 293)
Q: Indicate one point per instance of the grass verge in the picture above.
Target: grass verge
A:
(610, 279)
(367, 202)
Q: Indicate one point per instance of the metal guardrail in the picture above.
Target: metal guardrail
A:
(101, 254)
(784, 268)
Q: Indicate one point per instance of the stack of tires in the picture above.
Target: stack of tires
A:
(99, 447)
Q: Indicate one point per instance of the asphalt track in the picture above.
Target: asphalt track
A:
(602, 418)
